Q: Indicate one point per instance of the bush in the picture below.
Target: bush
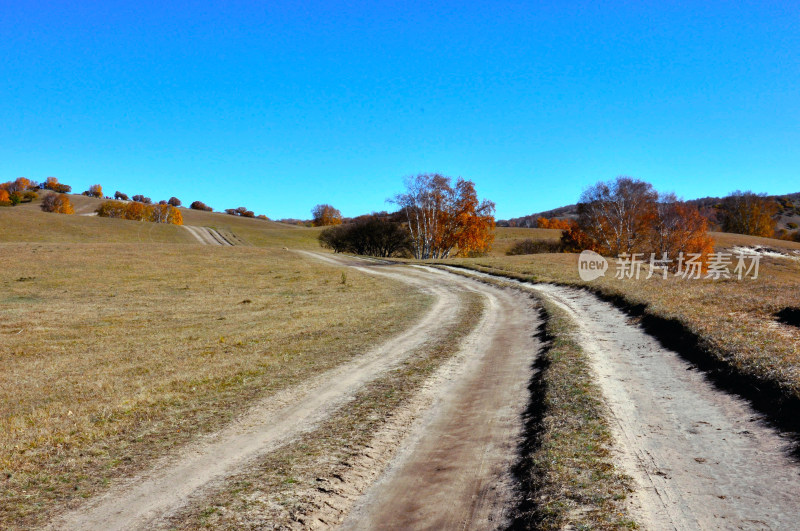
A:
(5, 199)
(121, 196)
(52, 184)
(139, 198)
(174, 201)
(368, 235)
(94, 190)
(57, 203)
(199, 205)
(792, 225)
(535, 247)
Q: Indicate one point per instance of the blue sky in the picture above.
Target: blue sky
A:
(278, 106)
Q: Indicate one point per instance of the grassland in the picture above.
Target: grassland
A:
(114, 353)
(27, 223)
(732, 321)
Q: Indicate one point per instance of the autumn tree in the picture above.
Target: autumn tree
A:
(94, 190)
(166, 214)
(553, 223)
(617, 215)
(137, 211)
(748, 213)
(679, 228)
(119, 195)
(5, 199)
(629, 216)
(57, 203)
(442, 217)
(324, 215)
(174, 201)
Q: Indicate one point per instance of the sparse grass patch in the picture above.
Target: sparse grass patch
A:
(112, 354)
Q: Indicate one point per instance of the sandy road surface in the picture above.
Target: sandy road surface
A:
(145, 500)
(454, 471)
(700, 458)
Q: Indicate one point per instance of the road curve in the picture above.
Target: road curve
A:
(172, 483)
(700, 458)
(454, 471)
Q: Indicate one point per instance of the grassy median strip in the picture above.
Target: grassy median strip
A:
(287, 488)
(566, 473)
(113, 354)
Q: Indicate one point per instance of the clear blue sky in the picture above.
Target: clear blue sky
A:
(278, 106)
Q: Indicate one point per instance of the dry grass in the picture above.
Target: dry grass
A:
(567, 474)
(734, 320)
(506, 237)
(282, 489)
(112, 354)
(27, 223)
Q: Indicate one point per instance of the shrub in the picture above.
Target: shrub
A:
(792, 225)
(368, 235)
(52, 184)
(57, 203)
(139, 198)
(121, 196)
(174, 201)
(5, 199)
(199, 205)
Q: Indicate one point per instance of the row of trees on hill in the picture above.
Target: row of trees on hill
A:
(136, 211)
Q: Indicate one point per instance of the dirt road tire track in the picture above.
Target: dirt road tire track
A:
(700, 458)
(149, 498)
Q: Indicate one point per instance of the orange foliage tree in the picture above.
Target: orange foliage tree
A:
(553, 223)
(749, 213)
(442, 217)
(136, 211)
(94, 190)
(52, 184)
(629, 216)
(5, 199)
(324, 215)
(57, 203)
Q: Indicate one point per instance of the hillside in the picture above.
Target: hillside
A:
(26, 222)
(788, 217)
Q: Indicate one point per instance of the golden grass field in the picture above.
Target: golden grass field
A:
(735, 319)
(120, 340)
(112, 353)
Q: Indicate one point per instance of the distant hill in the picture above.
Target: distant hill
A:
(788, 216)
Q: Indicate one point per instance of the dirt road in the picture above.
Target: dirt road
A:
(206, 235)
(700, 458)
(454, 470)
(481, 458)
